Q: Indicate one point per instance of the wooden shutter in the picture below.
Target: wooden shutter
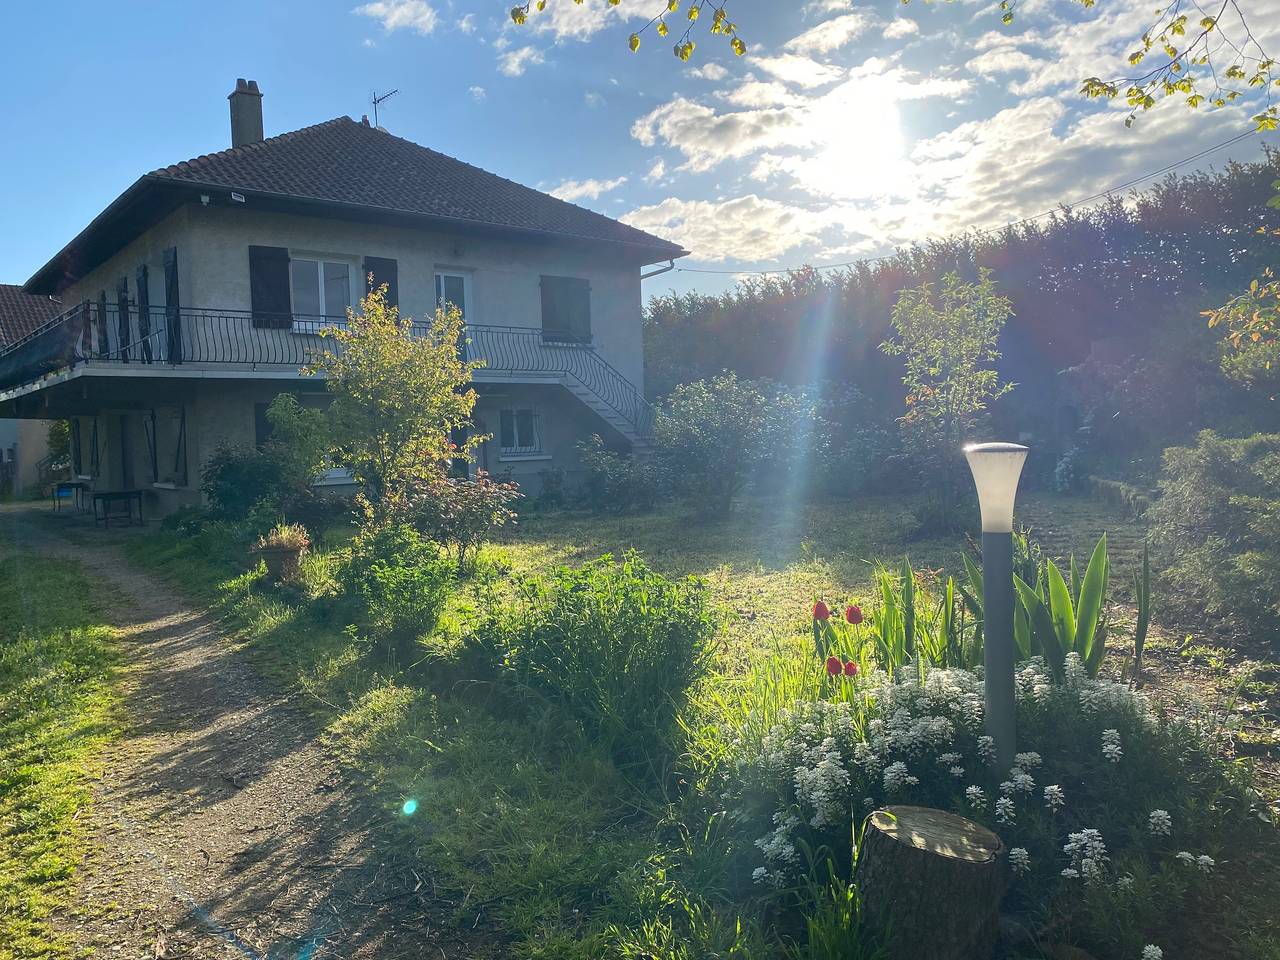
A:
(269, 287)
(172, 307)
(384, 270)
(144, 313)
(77, 457)
(104, 344)
(566, 309)
(122, 318)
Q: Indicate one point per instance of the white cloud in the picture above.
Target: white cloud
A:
(830, 35)
(592, 99)
(706, 138)
(370, 42)
(580, 21)
(759, 93)
(657, 171)
(513, 63)
(572, 190)
(416, 15)
(468, 23)
(749, 228)
(802, 71)
(477, 93)
(900, 27)
(710, 70)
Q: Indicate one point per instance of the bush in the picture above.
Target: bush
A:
(708, 435)
(1120, 816)
(1216, 528)
(615, 643)
(401, 584)
(616, 483)
(460, 513)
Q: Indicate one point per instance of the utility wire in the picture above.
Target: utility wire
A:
(1014, 223)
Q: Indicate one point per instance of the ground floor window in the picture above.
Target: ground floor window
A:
(519, 431)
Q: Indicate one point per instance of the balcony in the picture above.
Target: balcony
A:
(177, 340)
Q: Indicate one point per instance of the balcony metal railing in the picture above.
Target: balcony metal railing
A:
(96, 333)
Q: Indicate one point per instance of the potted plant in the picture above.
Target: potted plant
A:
(281, 548)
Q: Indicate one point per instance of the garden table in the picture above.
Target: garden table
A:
(113, 500)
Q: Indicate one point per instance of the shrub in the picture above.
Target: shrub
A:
(617, 644)
(708, 435)
(459, 513)
(1216, 527)
(236, 479)
(1118, 813)
(615, 482)
(401, 584)
(289, 536)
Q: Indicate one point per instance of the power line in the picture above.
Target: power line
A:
(1014, 223)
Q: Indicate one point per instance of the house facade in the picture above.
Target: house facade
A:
(24, 444)
(196, 297)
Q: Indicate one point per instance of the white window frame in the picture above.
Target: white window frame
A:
(468, 308)
(320, 259)
(522, 452)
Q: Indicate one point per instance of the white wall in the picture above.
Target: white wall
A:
(505, 275)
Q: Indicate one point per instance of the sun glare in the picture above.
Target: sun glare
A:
(861, 151)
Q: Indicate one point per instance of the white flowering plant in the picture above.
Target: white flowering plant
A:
(1103, 795)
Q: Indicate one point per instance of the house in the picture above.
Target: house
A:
(24, 444)
(193, 299)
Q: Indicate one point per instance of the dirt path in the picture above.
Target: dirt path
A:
(222, 828)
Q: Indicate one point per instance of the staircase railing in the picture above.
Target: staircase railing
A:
(516, 350)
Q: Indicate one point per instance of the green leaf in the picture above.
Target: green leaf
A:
(1043, 636)
(1064, 618)
(1092, 593)
(908, 607)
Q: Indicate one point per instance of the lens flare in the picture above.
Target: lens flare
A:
(409, 807)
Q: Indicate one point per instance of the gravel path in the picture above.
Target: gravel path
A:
(222, 827)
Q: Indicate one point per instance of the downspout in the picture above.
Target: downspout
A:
(671, 265)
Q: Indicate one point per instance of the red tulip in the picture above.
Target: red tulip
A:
(853, 614)
(833, 666)
(821, 611)
(850, 669)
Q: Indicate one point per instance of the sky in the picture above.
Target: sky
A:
(847, 130)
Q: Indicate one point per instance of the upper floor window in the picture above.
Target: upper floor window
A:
(320, 288)
(566, 309)
(452, 288)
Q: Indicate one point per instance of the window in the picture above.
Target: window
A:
(452, 288)
(566, 309)
(320, 288)
(518, 431)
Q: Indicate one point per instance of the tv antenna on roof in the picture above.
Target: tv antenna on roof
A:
(379, 99)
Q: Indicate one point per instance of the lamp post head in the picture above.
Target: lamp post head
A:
(996, 468)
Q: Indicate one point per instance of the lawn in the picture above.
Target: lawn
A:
(522, 821)
(767, 564)
(56, 716)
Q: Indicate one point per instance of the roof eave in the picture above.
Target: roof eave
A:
(657, 249)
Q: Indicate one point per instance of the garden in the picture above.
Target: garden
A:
(663, 714)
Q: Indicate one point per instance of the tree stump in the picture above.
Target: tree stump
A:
(933, 880)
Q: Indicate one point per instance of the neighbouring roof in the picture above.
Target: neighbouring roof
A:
(347, 168)
(21, 313)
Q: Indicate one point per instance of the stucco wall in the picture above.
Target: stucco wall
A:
(148, 249)
(504, 275)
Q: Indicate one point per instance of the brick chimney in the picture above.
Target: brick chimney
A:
(246, 113)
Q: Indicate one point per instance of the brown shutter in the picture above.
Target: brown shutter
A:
(172, 306)
(384, 270)
(104, 344)
(269, 287)
(122, 318)
(144, 312)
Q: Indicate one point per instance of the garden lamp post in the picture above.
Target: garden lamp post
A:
(996, 468)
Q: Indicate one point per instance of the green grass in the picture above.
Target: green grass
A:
(56, 716)
(519, 817)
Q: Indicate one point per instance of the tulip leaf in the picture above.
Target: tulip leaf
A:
(1093, 589)
(1042, 635)
(1064, 619)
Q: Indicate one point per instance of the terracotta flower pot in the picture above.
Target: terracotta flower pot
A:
(282, 562)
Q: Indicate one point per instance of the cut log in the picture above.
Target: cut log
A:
(933, 881)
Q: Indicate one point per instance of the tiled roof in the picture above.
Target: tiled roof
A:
(349, 162)
(20, 313)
